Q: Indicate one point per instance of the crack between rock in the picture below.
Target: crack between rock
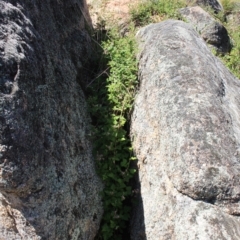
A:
(10, 214)
(212, 202)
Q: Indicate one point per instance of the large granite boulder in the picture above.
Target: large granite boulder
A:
(213, 32)
(186, 135)
(48, 185)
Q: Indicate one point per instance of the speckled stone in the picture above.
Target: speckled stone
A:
(48, 185)
(186, 135)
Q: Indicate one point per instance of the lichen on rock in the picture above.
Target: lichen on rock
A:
(185, 131)
(48, 184)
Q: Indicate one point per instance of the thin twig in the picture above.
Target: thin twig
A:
(98, 76)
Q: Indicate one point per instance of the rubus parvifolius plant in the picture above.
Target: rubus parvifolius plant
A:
(110, 103)
(232, 60)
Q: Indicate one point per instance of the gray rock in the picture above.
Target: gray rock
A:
(48, 185)
(186, 135)
(213, 32)
(214, 4)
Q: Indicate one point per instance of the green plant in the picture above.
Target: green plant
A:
(232, 60)
(155, 10)
(228, 6)
(110, 103)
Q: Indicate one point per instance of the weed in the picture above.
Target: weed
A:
(228, 6)
(232, 60)
(110, 103)
(147, 12)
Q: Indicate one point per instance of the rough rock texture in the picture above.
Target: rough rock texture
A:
(186, 135)
(48, 185)
(213, 32)
(214, 4)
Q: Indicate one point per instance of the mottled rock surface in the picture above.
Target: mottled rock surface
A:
(213, 32)
(214, 4)
(48, 185)
(186, 135)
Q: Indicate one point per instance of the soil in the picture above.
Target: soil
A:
(110, 12)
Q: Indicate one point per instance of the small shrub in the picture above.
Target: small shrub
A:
(232, 60)
(146, 12)
(110, 102)
(228, 6)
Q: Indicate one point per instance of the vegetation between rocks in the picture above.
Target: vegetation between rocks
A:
(232, 60)
(110, 103)
(155, 11)
(228, 6)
